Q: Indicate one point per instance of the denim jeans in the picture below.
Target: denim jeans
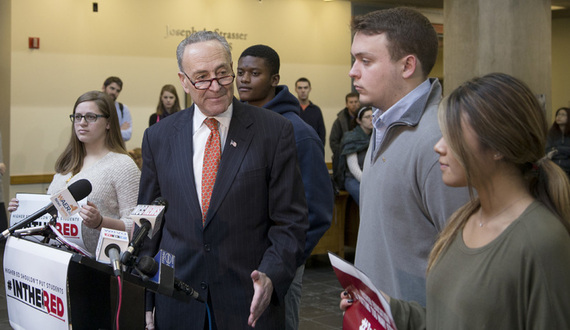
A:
(293, 300)
(353, 187)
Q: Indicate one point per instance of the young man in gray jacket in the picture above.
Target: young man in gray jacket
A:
(404, 203)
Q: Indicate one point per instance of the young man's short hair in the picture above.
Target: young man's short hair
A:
(349, 95)
(407, 31)
(267, 53)
(303, 79)
(113, 79)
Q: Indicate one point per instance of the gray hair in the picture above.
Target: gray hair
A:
(200, 36)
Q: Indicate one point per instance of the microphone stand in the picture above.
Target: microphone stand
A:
(143, 276)
(44, 231)
(49, 234)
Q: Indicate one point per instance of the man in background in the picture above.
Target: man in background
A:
(310, 112)
(404, 203)
(3, 218)
(344, 122)
(113, 87)
(258, 84)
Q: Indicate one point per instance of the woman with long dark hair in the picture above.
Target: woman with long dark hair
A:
(558, 140)
(354, 145)
(502, 261)
(168, 103)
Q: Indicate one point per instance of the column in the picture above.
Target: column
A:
(510, 36)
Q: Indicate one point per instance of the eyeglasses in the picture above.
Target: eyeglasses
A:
(205, 84)
(89, 117)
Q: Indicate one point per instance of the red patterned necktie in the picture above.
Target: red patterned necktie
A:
(210, 165)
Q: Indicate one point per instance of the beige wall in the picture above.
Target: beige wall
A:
(80, 48)
(5, 30)
(560, 63)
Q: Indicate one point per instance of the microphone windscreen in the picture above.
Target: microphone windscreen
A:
(80, 189)
(161, 201)
(112, 246)
(148, 266)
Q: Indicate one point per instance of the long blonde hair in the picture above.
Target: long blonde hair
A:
(71, 159)
(506, 118)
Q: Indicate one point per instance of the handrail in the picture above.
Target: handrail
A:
(31, 179)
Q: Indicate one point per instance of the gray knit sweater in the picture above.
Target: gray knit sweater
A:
(115, 181)
(404, 203)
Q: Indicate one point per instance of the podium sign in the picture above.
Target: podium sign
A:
(49, 288)
(36, 289)
(69, 227)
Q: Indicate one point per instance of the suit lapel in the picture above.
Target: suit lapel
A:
(181, 143)
(236, 146)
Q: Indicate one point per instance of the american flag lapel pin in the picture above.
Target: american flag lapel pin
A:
(233, 143)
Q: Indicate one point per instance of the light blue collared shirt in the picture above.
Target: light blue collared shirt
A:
(383, 120)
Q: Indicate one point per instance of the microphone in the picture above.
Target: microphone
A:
(161, 272)
(153, 213)
(112, 251)
(40, 230)
(111, 243)
(147, 217)
(78, 190)
(136, 242)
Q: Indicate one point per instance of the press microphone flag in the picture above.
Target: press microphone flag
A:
(152, 213)
(65, 200)
(148, 218)
(161, 268)
(65, 203)
(111, 243)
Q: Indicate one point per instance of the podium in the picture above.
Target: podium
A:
(93, 296)
(74, 290)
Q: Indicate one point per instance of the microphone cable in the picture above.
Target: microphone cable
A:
(209, 316)
(119, 301)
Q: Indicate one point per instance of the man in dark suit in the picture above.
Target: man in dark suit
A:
(240, 247)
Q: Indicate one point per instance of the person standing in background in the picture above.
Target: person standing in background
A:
(258, 84)
(354, 147)
(344, 122)
(558, 142)
(310, 112)
(168, 103)
(113, 87)
(3, 218)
